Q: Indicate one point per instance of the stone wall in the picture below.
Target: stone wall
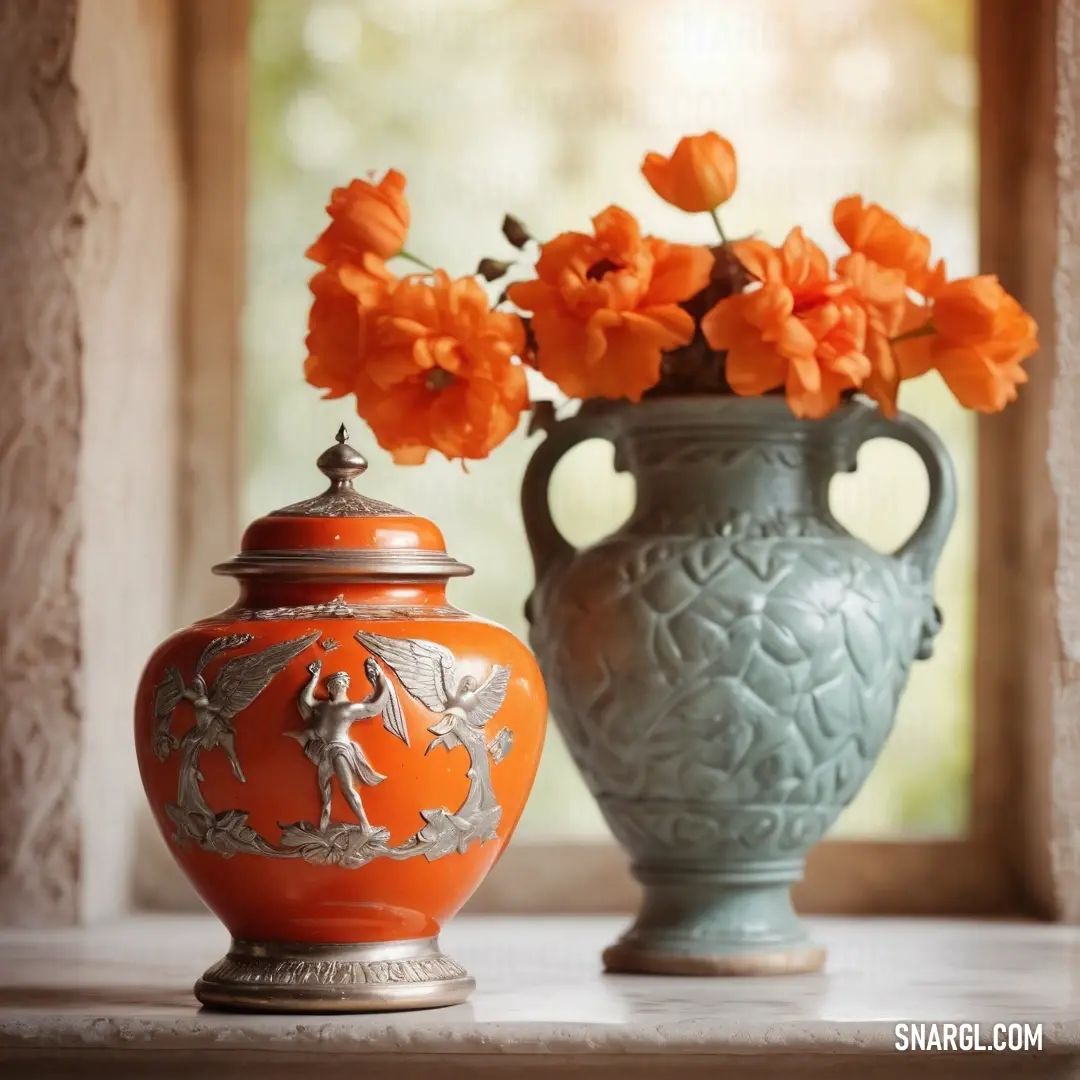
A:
(90, 260)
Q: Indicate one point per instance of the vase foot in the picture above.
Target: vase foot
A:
(733, 920)
(302, 977)
(627, 958)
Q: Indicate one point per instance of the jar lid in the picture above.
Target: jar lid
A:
(343, 535)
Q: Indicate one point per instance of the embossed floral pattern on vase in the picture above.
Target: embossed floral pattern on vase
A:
(727, 665)
(771, 683)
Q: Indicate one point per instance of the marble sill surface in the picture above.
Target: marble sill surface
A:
(117, 998)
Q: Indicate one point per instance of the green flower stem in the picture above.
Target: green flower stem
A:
(415, 259)
(719, 228)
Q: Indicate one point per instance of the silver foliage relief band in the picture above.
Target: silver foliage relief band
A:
(428, 671)
(339, 608)
(304, 977)
(291, 971)
(340, 502)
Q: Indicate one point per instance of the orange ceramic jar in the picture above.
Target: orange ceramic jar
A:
(338, 760)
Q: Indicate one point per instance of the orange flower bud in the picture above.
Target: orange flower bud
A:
(366, 218)
(492, 269)
(515, 231)
(700, 175)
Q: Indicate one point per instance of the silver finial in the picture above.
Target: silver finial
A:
(341, 464)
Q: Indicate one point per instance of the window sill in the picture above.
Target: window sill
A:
(115, 997)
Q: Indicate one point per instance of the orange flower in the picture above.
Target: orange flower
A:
(884, 239)
(883, 296)
(700, 174)
(606, 307)
(338, 324)
(982, 336)
(802, 329)
(365, 218)
(439, 370)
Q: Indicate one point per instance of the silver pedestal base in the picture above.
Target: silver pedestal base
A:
(294, 977)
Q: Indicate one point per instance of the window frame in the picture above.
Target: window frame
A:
(1002, 866)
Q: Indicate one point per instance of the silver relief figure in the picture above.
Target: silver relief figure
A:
(430, 673)
(215, 705)
(326, 738)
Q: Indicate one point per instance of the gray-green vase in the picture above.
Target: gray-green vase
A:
(726, 666)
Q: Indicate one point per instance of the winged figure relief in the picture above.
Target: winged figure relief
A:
(216, 703)
(326, 737)
(431, 674)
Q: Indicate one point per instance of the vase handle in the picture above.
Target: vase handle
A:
(547, 544)
(923, 548)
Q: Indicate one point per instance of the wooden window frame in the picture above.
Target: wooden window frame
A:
(1002, 866)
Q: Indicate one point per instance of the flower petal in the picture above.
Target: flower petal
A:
(754, 368)
(679, 271)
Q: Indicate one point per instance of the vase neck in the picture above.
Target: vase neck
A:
(722, 466)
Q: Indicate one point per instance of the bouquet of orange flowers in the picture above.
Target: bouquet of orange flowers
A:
(435, 365)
